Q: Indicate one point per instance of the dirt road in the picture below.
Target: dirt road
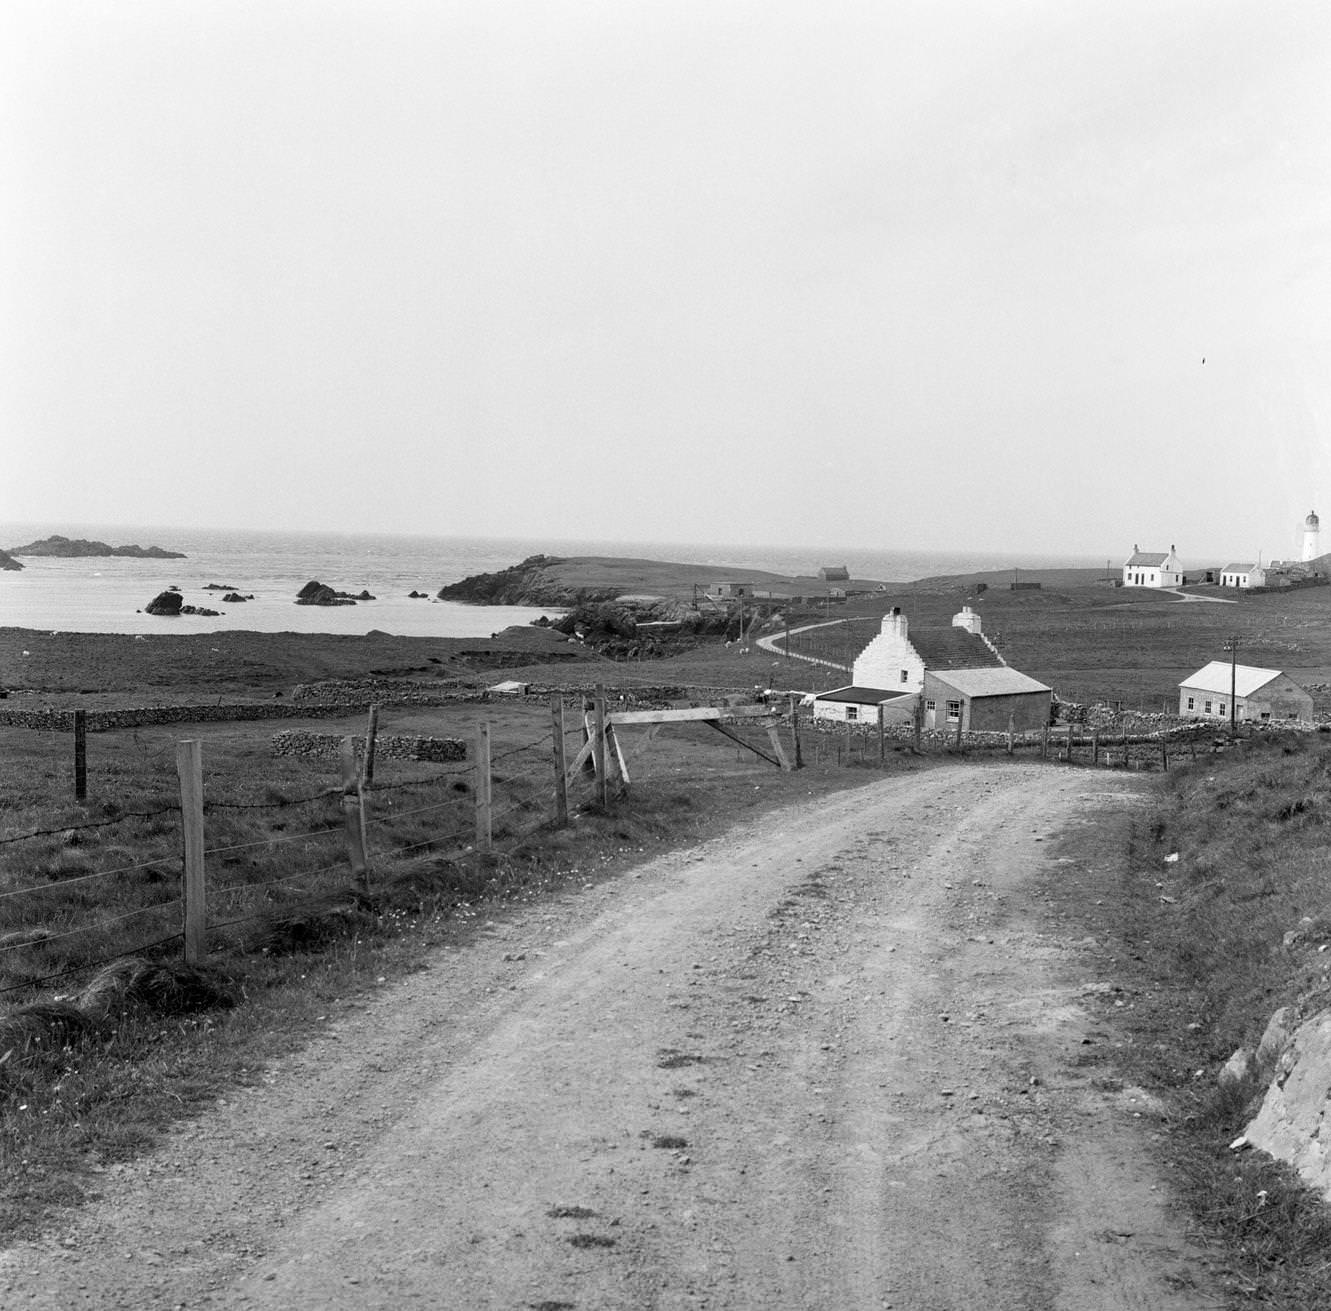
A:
(832, 1060)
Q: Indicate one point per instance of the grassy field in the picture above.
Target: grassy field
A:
(1095, 643)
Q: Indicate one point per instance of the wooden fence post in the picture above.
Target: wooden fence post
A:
(481, 789)
(1095, 746)
(960, 721)
(371, 733)
(795, 732)
(918, 721)
(353, 817)
(561, 760)
(80, 755)
(1067, 756)
(1044, 741)
(189, 766)
(882, 737)
(599, 753)
(1011, 731)
(1164, 754)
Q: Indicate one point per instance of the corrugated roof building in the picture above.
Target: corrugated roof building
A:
(1257, 695)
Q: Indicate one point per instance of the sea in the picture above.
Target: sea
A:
(108, 594)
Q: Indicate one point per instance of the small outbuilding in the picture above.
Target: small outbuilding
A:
(985, 700)
(865, 705)
(834, 573)
(1258, 695)
(1243, 575)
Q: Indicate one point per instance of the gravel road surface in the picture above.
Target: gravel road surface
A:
(831, 1059)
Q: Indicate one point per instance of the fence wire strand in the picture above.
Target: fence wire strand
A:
(88, 878)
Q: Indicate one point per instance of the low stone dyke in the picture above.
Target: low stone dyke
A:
(387, 746)
(101, 721)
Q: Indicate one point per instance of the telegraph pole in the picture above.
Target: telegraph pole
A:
(1232, 646)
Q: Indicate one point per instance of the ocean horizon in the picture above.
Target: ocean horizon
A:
(107, 594)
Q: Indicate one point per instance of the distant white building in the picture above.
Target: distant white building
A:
(1311, 537)
(1242, 575)
(1152, 569)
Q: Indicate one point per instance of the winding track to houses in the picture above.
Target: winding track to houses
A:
(832, 1059)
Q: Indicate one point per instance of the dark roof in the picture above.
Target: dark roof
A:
(952, 648)
(863, 696)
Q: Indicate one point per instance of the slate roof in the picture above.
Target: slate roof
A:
(1215, 678)
(1239, 568)
(1147, 559)
(864, 696)
(989, 682)
(953, 648)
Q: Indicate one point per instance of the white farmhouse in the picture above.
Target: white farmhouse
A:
(1152, 569)
(955, 671)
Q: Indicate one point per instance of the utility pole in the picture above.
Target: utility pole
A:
(1232, 646)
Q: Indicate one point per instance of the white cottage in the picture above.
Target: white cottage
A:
(1243, 575)
(948, 666)
(1152, 569)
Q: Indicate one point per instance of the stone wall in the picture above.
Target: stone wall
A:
(387, 746)
(99, 721)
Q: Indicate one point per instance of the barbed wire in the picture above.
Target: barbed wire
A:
(291, 881)
(272, 840)
(87, 878)
(90, 928)
(513, 751)
(272, 805)
(92, 965)
(98, 823)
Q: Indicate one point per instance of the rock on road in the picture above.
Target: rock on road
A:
(828, 1059)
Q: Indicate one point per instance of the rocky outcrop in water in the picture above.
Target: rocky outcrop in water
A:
(317, 593)
(72, 548)
(7, 561)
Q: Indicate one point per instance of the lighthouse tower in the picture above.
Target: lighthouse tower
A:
(1311, 547)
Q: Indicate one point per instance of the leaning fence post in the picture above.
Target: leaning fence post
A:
(481, 789)
(352, 816)
(189, 766)
(598, 747)
(561, 759)
(80, 755)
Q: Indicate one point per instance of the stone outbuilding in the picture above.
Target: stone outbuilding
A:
(1259, 695)
(1152, 569)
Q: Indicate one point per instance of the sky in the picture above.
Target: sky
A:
(991, 275)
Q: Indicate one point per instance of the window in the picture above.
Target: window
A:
(1266, 714)
(953, 711)
(1207, 707)
(1192, 703)
(852, 712)
(905, 675)
(1222, 708)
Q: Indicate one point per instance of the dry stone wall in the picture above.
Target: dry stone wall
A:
(387, 746)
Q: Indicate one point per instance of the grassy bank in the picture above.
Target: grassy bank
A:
(1204, 948)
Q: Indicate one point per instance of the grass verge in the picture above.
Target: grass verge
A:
(1212, 918)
